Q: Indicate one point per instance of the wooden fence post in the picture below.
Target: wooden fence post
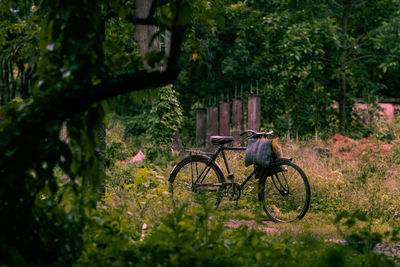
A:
(253, 112)
(201, 119)
(224, 128)
(212, 123)
(237, 121)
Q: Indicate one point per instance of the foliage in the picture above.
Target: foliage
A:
(328, 191)
(165, 120)
(356, 228)
(19, 30)
(139, 124)
(118, 144)
(194, 236)
(196, 233)
(116, 150)
(386, 130)
(48, 211)
(148, 183)
(150, 130)
(42, 220)
(45, 199)
(292, 52)
(366, 182)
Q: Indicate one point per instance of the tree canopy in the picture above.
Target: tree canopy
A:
(64, 59)
(306, 57)
(42, 220)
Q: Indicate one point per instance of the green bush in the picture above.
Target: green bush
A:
(166, 119)
(137, 125)
(195, 237)
(196, 234)
(328, 191)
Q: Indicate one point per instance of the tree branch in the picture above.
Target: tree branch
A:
(358, 58)
(176, 39)
(360, 37)
(134, 82)
(337, 4)
(152, 8)
(360, 4)
(109, 16)
(71, 102)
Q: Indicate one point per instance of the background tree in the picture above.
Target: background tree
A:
(42, 221)
(307, 57)
(19, 31)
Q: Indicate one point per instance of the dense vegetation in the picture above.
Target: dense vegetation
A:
(67, 65)
(303, 57)
(354, 200)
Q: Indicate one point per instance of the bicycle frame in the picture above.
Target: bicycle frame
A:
(213, 156)
(274, 182)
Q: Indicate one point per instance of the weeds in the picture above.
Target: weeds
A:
(364, 192)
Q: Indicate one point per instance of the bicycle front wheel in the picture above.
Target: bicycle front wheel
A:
(196, 177)
(284, 191)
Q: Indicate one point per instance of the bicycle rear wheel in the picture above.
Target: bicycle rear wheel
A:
(284, 191)
(196, 177)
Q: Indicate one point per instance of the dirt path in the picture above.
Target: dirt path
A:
(251, 224)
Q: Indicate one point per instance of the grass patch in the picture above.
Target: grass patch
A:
(137, 196)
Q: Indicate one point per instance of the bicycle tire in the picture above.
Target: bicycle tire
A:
(182, 181)
(284, 191)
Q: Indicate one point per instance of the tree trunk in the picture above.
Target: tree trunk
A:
(325, 109)
(29, 80)
(288, 124)
(101, 187)
(167, 41)
(14, 82)
(316, 109)
(24, 89)
(176, 145)
(144, 34)
(6, 83)
(2, 88)
(343, 59)
(296, 119)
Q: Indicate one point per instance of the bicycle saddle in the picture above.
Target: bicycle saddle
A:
(220, 140)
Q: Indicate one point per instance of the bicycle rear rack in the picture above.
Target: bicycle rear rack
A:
(199, 152)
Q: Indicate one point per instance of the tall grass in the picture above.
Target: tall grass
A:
(137, 198)
(368, 182)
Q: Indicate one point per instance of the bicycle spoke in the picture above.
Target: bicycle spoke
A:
(202, 182)
(285, 194)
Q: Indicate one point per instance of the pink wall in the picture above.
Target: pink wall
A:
(389, 110)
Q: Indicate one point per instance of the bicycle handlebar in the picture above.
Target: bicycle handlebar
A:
(255, 133)
(248, 131)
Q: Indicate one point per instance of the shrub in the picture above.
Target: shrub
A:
(194, 236)
(166, 118)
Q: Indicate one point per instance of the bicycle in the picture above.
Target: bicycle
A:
(283, 187)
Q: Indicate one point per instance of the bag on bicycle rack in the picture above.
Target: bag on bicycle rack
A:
(258, 152)
(276, 149)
